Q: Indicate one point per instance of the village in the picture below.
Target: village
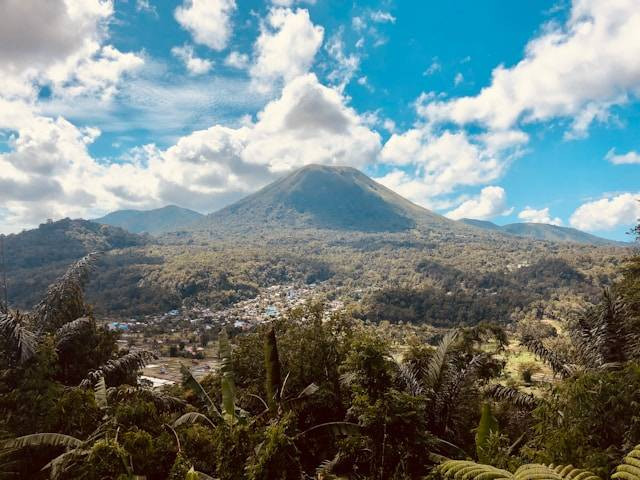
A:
(186, 336)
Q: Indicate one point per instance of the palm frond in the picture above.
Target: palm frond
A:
(67, 332)
(437, 361)
(22, 341)
(131, 362)
(191, 382)
(512, 395)
(162, 401)
(409, 376)
(557, 364)
(64, 300)
(192, 417)
(335, 428)
(42, 439)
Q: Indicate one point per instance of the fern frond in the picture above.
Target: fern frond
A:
(64, 300)
(467, 470)
(512, 395)
(100, 393)
(131, 362)
(535, 471)
(22, 341)
(629, 469)
(569, 472)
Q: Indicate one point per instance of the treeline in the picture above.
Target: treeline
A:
(459, 298)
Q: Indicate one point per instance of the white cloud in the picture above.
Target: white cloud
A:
(433, 68)
(286, 47)
(61, 44)
(195, 65)
(607, 213)
(146, 6)
(208, 21)
(237, 60)
(458, 79)
(49, 173)
(531, 215)
(577, 71)
(491, 202)
(380, 16)
(441, 162)
(344, 66)
(623, 158)
(290, 3)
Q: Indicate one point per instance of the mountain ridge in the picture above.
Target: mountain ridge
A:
(542, 231)
(156, 221)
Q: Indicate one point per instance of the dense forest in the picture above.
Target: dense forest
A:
(307, 396)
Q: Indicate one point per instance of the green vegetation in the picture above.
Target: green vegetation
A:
(317, 396)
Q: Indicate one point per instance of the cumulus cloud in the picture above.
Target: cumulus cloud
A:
(531, 215)
(578, 71)
(49, 165)
(286, 47)
(208, 21)
(60, 43)
(441, 162)
(623, 158)
(607, 213)
(491, 202)
(194, 64)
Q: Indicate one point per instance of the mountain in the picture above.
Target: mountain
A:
(329, 198)
(542, 231)
(155, 222)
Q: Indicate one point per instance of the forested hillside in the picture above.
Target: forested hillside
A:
(314, 396)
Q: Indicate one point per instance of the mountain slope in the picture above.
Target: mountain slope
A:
(321, 197)
(156, 221)
(542, 231)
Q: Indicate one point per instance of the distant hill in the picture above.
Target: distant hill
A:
(542, 231)
(34, 258)
(322, 197)
(65, 241)
(157, 221)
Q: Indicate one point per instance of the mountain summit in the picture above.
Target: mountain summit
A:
(322, 197)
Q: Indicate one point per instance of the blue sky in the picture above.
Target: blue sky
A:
(505, 111)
